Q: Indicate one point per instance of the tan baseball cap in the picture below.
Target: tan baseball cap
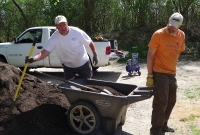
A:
(176, 20)
(59, 19)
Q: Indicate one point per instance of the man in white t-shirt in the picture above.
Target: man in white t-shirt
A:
(69, 43)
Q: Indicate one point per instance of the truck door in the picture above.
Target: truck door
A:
(21, 48)
(53, 58)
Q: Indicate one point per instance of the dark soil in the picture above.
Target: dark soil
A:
(101, 88)
(39, 109)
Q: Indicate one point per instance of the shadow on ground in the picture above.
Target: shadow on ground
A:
(99, 75)
(45, 119)
(106, 75)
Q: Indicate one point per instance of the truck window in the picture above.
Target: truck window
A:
(29, 36)
(52, 31)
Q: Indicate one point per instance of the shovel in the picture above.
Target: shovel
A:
(75, 84)
(19, 85)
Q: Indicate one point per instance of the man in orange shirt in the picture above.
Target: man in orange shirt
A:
(165, 46)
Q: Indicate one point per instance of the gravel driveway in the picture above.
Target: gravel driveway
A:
(139, 114)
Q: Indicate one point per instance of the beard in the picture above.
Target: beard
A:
(171, 32)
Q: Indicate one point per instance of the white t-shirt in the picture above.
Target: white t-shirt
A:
(70, 48)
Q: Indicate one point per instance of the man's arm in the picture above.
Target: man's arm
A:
(150, 57)
(41, 55)
(92, 47)
(95, 57)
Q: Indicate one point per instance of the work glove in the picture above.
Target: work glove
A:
(29, 60)
(95, 59)
(149, 82)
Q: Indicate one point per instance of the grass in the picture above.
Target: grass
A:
(189, 118)
(193, 93)
(194, 129)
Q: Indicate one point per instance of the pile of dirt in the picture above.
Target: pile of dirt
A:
(39, 109)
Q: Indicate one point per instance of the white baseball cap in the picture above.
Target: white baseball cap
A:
(59, 19)
(176, 20)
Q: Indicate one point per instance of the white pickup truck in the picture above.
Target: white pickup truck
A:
(14, 52)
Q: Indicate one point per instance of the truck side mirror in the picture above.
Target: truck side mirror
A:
(15, 40)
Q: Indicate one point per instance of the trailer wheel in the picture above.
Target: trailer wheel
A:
(129, 74)
(83, 118)
(139, 73)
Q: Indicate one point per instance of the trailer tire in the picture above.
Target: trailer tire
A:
(83, 118)
(139, 73)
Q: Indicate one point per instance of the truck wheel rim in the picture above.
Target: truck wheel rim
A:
(82, 119)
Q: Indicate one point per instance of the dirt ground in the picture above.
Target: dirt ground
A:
(40, 107)
(139, 114)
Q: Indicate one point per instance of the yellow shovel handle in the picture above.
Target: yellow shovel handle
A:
(24, 71)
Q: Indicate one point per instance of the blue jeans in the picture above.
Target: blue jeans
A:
(84, 71)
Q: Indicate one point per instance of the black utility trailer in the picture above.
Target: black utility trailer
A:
(90, 110)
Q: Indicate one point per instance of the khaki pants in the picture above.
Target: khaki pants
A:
(165, 87)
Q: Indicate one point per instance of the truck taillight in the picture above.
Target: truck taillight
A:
(108, 49)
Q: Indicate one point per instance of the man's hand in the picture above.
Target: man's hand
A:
(29, 60)
(149, 82)
(95, 59)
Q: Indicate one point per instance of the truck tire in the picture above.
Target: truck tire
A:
(83, 118)
(2, 59)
